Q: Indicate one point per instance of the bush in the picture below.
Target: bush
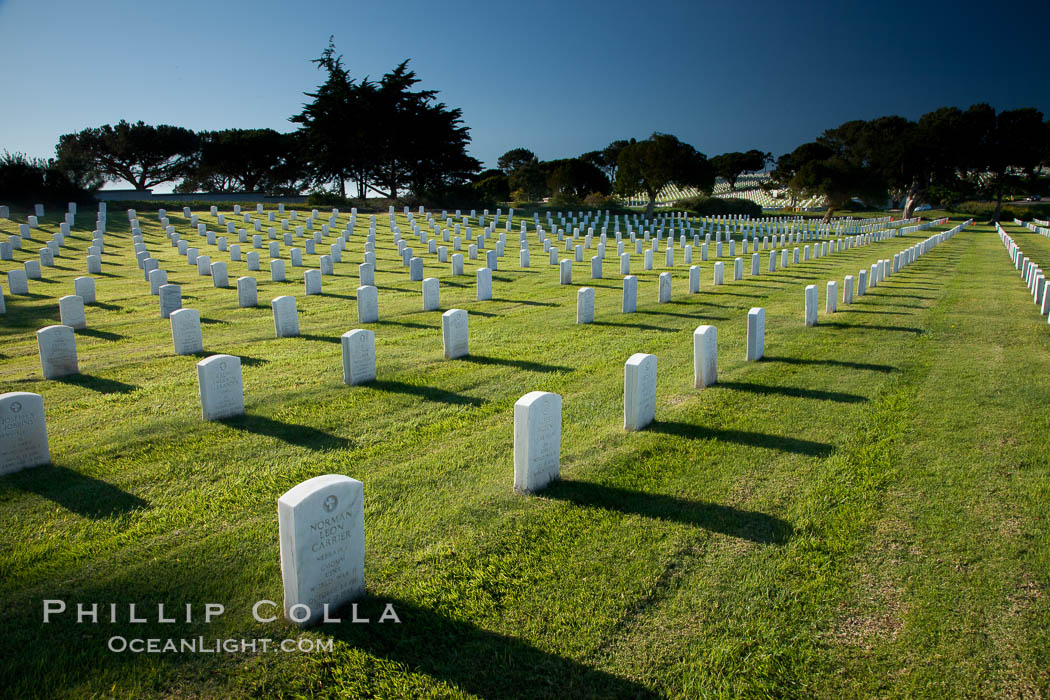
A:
(720, 206)
(25, 181)
(324, 198)
(1009, 212)
(597, 200)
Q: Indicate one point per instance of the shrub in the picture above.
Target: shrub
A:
(25, 181)
(720, 206)
(324, 198)
(1009, 212)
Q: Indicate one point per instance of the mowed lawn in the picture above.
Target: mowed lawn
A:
(863, 513)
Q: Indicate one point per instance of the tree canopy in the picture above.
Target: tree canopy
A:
(732, 165)
(383, 135)
(142, 155)
(649, 166)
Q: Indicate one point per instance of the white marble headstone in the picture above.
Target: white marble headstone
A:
(58, 351)
(285, 316)
(359, 356)
(185, 330)
(705, 356)
(221, 386)
(639, 391)
(455, 333)
(71, 311)
(537, 440)
(322, 539)
(23, 432)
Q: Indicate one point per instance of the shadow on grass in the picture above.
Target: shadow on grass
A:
(830, 363)
(640, 326)
(479, 662)
(102, 386)
(407, 324)
(519, 364)
(794, 392)
(742, 437)
(104, 305)
(853, 310)
(83, 495)
(524, 302)
(101, 335)
(301, 435)
(902, 329)
(321, 338)
(747, 525)
(425, 392)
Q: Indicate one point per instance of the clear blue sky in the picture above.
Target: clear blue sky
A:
(560, 78)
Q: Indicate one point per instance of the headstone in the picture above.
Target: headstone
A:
(84, 287)
(277, 270)
(484, 284)
(285, 317)
(664, 294)
(219, 276)
(639, 391)
(367, 304)
(221, 387)
(170, 299)
(718, 276)
(17, 281)
(247, 292)
(32, 269)
(322, 539)
(359, 356)
(832, 297)
(71, 311)
(630, 294)
(847, 290)
(415, 269)
(186, 331)
(23, 432)
(585, 305)
(312, 279)
(756, 334)
(537, 440)
(57, 346)
(455, 333)
(811, 305)
(431, 294)
(705, 356)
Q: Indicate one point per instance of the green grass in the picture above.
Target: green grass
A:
(861, 514)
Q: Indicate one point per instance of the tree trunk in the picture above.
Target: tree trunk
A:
(998, 206)
(827, 214)
(911, 200)
(651, 205)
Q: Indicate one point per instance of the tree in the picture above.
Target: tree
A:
(821, 168)
(574, 178)
(514, 159)
(528, 182)
(649, 166)
(605, 159)
(494, 188)
(334, 126)
(24, 180)
(731, 165)
(248, 160)
(1014, 152)
(142, 155)
(422, 144)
